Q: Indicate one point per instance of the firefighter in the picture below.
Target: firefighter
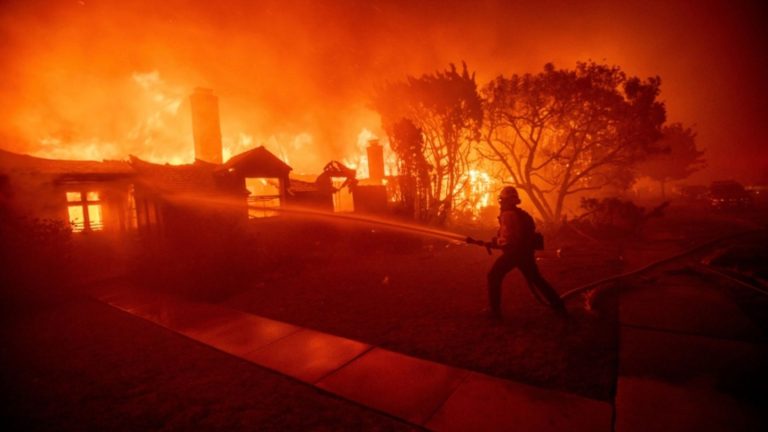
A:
(517, 238)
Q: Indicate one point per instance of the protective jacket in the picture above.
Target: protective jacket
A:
(516, 230)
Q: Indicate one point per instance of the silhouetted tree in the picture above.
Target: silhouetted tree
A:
(445, 107)
(561, 132)
(407, 141)
(677, 159)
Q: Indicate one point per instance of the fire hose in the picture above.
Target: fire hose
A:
(592, 285)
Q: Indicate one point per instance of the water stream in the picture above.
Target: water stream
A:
(346, 218)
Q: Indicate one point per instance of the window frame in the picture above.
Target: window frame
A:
(85, 203)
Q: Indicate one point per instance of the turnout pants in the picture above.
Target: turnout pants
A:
(526, 262)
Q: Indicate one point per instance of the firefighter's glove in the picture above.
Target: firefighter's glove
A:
(493, 244)
(488, 245)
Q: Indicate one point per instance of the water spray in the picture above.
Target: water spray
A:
(369, 220)
(354, 218)
(232, 203)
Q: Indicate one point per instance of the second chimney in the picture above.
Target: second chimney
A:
(205, 125)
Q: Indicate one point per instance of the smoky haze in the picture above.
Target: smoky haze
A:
(107, 78)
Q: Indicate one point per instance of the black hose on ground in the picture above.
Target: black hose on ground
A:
(574, 292)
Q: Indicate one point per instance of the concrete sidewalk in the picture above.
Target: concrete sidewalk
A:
(421, 392)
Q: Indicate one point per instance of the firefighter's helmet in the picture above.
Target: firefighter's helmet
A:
(509, 195)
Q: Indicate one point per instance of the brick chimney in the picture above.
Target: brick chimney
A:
(205, 125)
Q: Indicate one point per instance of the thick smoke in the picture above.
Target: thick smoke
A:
(109, 78)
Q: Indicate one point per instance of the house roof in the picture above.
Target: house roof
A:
(197, 177)
(258, 162)
(15, 164)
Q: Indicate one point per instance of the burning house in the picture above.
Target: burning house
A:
(120, 196)
(137, 195)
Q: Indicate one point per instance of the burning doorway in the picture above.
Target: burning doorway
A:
(264, 194)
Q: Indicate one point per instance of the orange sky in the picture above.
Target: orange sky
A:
(110, 78)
